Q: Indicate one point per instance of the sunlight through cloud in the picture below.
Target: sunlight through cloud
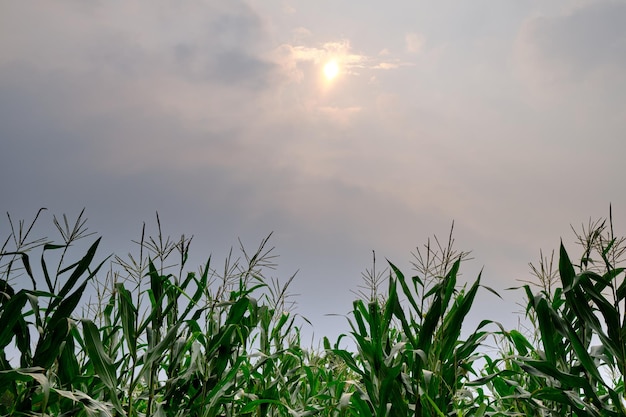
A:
(331, 70)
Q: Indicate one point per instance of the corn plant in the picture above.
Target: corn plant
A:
(160, 341)
(48, 377)
(410, 358)
(573, 364)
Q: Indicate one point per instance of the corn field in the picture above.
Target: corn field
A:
(86, 336)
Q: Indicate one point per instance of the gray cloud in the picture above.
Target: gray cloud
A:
(205, 112)
(234, 67)
(586, 45)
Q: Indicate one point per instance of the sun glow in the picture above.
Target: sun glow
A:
(331, 70)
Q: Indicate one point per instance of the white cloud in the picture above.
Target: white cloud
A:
(293, 56)
(387, 65)
(338, 50)
(341, 115)
(414, 42)
(301, 33)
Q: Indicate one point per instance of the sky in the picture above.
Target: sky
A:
(506, 117)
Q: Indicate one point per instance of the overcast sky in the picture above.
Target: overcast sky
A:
(504, 116)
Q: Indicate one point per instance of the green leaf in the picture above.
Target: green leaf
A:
(522, 345)
(57, 329)
(566, 269)
(102, 363)
(11, 315)
(218, 394)
(92, 407)
(348, 360)
(200, 287)
(546, 369)
(432, 403)
(450, 283)
(405, 288)
(546, 327)
(430, 323)
(68, 367)
(44, 267)
(237, 311)
(27, 374)
(154, 355)
(253, 405)
(454, 320)
(81, 267)
(128, 315)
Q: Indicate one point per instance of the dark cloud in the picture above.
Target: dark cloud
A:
(207, 42)
(573, 46)
(239, 27)
(235, 67)
(229, 47)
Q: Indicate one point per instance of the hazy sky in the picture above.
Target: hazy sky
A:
(506, 116)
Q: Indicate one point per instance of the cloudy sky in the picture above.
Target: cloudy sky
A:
(504, 116)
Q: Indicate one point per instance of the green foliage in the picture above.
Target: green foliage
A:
(162, 343)
(573, 364)
(418, 366)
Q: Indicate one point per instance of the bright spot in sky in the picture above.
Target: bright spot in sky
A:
(331, 69)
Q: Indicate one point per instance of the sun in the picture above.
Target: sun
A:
(331, 70)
